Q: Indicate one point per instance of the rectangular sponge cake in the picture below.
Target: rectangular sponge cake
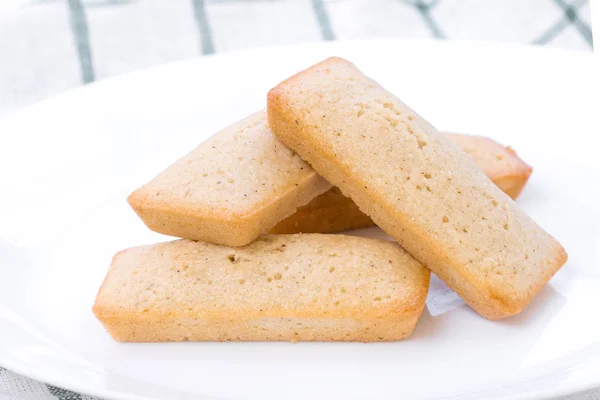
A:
(416, 185)
(308, 287)
(230, 189)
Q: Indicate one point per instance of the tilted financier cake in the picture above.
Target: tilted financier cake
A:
(416, 185)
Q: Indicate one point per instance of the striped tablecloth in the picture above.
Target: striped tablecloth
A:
(49, 46)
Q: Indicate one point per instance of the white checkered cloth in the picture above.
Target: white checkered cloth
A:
(56, 45)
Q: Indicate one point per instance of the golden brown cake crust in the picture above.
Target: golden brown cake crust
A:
(307, 287)
(416, 185)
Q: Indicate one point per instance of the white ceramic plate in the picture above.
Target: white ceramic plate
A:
(67, 164)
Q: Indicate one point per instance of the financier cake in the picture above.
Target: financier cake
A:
(416, 185)
(230, 189)
(306, 287)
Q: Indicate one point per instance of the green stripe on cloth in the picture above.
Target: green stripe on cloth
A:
(206, 42)
(571, 16)
(552, 32)
(62, 394)
(323, 20)
(424, 9)
(80, 32)
(571, 13)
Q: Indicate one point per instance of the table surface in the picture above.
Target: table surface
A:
(56, 45)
